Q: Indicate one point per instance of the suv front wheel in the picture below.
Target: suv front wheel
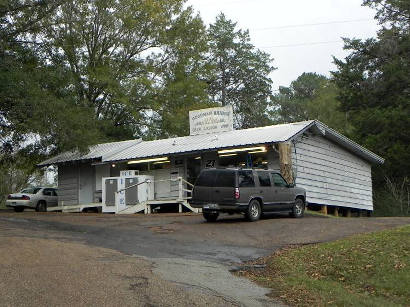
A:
(254, 211)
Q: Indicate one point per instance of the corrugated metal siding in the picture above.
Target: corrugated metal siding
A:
(68, 185)
(332, 175)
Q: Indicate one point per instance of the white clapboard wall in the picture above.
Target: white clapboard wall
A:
(330, 174)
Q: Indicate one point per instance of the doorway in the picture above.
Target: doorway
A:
(193, 169)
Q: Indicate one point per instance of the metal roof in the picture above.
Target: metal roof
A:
(195, 143)
(99, 151)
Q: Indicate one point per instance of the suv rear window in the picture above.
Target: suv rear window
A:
(225, 178)
(246, 179)
(216, 178)
(206, 179)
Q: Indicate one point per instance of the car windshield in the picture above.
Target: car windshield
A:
(31, 190)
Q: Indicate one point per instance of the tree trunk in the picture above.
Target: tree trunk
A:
(285, 161)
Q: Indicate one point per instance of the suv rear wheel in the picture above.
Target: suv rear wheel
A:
(210, 217)
(254, 211)
(298, 208)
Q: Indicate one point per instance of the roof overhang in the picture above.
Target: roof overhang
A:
(137, 149)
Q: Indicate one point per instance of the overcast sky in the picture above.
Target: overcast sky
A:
(284, 29)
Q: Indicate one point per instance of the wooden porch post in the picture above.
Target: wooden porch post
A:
(180, 187)
(285, 161)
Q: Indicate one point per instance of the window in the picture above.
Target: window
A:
(55, 193)
(278, 180)
(47, 192)
(225, 178)
(206, 179)
(246, 179)
(264, 179)
(31, 190)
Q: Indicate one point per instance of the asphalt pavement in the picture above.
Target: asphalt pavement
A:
(157, 260)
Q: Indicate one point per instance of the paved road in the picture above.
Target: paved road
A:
(164, 259)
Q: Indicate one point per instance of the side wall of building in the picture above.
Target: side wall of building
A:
(330, 174)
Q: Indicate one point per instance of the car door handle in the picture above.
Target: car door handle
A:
(216, 191)
(260, 191)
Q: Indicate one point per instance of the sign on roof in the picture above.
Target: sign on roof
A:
(212, 120)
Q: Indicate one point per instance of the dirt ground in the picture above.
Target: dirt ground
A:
(157, 260)
(41, 272)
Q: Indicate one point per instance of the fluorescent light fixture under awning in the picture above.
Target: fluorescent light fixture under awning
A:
(258, 148)
(161, 162)
(148, 160)
(257, 151)
(228, 155)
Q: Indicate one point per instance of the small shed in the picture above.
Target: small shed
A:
(334, 170)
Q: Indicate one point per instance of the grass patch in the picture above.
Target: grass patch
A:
(364, 270)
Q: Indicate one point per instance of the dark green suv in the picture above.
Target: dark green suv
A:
(249, 191)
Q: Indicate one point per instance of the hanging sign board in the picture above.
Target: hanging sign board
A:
(212, 120)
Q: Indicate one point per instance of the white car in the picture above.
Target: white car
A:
(35, 198)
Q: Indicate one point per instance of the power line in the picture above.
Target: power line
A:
(302, 44)
(310, 24)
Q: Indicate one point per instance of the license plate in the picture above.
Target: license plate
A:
(14, 203)
(210, 206)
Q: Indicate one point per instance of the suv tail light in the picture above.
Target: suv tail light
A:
(237, 194)
(25, 197)
(9, 197)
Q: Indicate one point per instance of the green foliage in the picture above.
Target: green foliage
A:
(394, 13)
(385, 204)
(325, 107)
(364, 270)
(291, 102)
(116, 54)
(76, 73)
(184, 77)
(310, 96)
(241, 76)
(374, 83)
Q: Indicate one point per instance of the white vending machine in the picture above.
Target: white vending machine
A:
(119, 193)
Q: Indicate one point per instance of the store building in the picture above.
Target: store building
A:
(334, 170)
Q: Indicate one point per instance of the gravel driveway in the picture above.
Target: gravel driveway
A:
(157, 260)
